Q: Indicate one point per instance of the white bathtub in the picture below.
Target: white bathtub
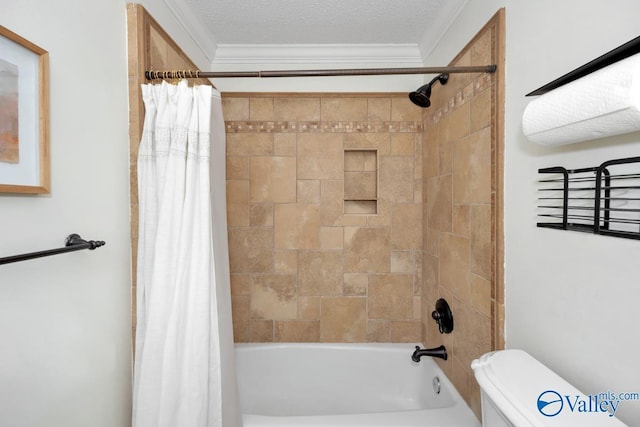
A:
(288, 385)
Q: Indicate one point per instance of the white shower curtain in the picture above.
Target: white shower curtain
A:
(184, 374)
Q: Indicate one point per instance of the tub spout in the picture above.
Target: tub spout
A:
(440, 352)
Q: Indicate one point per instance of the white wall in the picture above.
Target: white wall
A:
(65, 323)
(571, 298)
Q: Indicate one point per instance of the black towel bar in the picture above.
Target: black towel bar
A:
(73, 242)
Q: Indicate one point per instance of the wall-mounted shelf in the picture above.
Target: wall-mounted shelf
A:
(624, 51)
(600, 200)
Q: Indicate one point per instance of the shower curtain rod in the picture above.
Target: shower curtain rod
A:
(189, 74)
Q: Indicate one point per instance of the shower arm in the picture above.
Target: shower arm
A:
(187, 74)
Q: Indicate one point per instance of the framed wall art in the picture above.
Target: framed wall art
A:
(24, 115)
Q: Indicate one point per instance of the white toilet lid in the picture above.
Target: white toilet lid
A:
(517, 384)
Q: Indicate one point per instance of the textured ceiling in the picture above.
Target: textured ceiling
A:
(315, 22)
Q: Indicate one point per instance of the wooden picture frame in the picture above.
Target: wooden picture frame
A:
(24, 116)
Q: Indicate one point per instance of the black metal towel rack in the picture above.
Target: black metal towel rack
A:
(600, 200)
(73, 242)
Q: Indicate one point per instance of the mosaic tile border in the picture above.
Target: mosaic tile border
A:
(323, 127)
(465, 95)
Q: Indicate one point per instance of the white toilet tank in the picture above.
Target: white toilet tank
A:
(519, 391)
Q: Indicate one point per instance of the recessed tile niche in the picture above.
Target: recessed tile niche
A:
(360, 181)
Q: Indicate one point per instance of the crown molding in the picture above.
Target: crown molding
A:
(265, 54)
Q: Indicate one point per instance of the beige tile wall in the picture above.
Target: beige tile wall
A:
(462, 149)
(303, 269)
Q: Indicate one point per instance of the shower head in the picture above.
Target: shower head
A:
(421, 96)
